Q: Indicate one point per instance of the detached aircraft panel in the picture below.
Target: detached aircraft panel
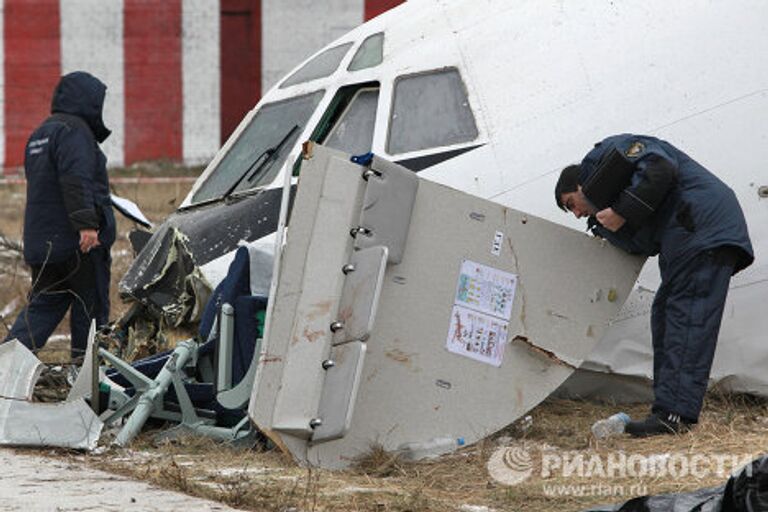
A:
(488, 312)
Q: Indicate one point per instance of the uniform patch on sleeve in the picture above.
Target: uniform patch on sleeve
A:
(36, 146)
(635, 149)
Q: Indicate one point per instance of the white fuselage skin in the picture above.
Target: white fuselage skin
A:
(547, 79)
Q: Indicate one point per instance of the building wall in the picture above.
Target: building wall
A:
(202, 91)
(241, 57)
(179, 76)
(82, 23)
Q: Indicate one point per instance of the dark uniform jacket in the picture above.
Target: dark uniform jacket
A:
(67, 184)
(673, 206)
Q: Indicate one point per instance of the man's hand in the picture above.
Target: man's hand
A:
(89, 238)
(610, 220)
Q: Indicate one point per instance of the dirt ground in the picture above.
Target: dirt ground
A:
(564, 467)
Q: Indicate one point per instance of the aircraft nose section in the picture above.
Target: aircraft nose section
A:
(166, 275)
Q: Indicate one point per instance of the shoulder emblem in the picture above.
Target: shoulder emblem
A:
(635, 149)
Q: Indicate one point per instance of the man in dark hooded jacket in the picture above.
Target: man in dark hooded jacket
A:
(69, 225)
(647, 197)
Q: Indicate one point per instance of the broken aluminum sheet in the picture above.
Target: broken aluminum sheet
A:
(83, 385)
(69, 424)
(412, 388)
(64, 424)
(19, 370)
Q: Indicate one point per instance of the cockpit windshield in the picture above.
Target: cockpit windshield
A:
(259, 152)
(321, 66)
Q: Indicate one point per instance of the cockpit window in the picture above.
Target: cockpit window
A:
(353, 132)
(430, 110)
(321, 66)
(259, 152)
(370, 53)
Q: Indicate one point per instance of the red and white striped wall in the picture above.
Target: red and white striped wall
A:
(180, 73)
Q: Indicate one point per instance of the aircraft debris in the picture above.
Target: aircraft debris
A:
(69, 424)
(359, 353)
(19, 370)
(168, 293)
(177, 281)
(203, 383)
(339, 315)
(167, 277)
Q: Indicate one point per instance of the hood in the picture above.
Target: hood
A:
(82, 94)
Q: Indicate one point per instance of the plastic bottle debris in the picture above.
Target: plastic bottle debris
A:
(611, 426)
(476, 508)
(430, 449)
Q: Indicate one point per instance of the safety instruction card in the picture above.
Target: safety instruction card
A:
(481, 312)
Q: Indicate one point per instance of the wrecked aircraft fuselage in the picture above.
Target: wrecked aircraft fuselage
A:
(174, 271)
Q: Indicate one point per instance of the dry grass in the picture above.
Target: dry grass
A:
(730, 426)
(269, 480)
(14, 279)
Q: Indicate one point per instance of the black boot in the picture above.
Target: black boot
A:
(658, 423)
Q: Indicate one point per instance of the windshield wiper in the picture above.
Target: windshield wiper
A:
(267, 156)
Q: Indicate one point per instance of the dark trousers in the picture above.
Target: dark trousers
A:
(685, 322)
(79, 285)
